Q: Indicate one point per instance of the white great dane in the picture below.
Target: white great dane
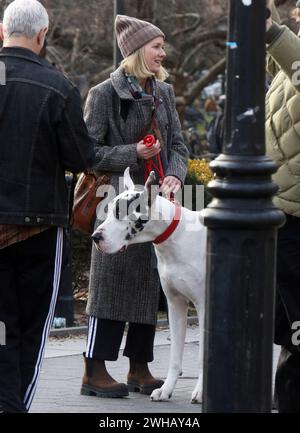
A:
(179, 239)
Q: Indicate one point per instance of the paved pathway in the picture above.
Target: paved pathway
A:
(60, 378)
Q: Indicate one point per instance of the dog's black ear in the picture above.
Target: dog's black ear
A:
(151, 188)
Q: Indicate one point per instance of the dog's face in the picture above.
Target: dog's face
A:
(127, 217)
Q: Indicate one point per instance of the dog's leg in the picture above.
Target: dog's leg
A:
(197, 392)
(178, 319)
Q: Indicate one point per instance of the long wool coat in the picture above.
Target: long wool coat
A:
(125, 286)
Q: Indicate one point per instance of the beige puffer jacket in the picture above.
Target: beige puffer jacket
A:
(283, 116)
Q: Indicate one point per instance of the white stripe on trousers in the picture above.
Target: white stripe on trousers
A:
(93, 323)
(56, 279)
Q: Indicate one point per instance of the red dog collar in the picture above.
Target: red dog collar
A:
(172, 227)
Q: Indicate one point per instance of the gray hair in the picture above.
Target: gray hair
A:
(24, 18)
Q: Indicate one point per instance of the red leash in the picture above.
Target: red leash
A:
(150, 165)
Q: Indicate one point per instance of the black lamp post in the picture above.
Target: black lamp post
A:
(65, 302)
(242, 230)
(118, 10)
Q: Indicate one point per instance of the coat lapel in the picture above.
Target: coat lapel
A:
(135, 114)
(162, 115)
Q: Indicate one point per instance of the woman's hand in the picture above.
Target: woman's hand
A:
(170, 184)
(144, 152)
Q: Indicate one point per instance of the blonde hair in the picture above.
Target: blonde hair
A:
(135, 64)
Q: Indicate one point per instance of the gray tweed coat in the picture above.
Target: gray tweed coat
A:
(125, 286)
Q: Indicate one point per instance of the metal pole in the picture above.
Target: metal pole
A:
(118, 10)
(65, 301)
(242, 231)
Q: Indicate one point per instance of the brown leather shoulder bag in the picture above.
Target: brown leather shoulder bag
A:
(86, 201)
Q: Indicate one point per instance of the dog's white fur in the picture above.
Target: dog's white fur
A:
(181, 263)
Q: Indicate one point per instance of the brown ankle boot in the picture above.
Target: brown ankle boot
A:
(139, 378)
(97, 381)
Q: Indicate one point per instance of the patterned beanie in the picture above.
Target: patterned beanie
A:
(133, 33)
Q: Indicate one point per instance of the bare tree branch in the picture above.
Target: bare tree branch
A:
(75, 49)
(204, 36)
(192, 54)
(187, 29)
(217, 69)
(187, 15)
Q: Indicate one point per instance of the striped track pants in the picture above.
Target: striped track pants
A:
(30, 275)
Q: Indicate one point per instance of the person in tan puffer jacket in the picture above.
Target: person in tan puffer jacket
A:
(283, 146)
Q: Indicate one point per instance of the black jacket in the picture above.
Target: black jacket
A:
(42, 134)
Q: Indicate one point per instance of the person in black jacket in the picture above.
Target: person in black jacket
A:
(42, 134)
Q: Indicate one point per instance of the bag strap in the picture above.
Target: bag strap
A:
(153, 117)
(71, 192)
(157, 131)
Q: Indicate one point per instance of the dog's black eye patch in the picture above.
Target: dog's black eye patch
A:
(139, 225)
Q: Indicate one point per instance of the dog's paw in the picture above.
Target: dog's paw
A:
(196, 396)
(160, 394)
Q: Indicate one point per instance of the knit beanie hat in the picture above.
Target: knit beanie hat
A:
(133, 33)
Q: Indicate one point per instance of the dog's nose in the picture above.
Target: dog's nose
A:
(98, 236)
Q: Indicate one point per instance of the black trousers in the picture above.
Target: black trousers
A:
(287, 380)
(29, 280)
(105, 337)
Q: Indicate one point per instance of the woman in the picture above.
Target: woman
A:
(125, 287)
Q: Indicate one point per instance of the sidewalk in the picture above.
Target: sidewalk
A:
(60, 379)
